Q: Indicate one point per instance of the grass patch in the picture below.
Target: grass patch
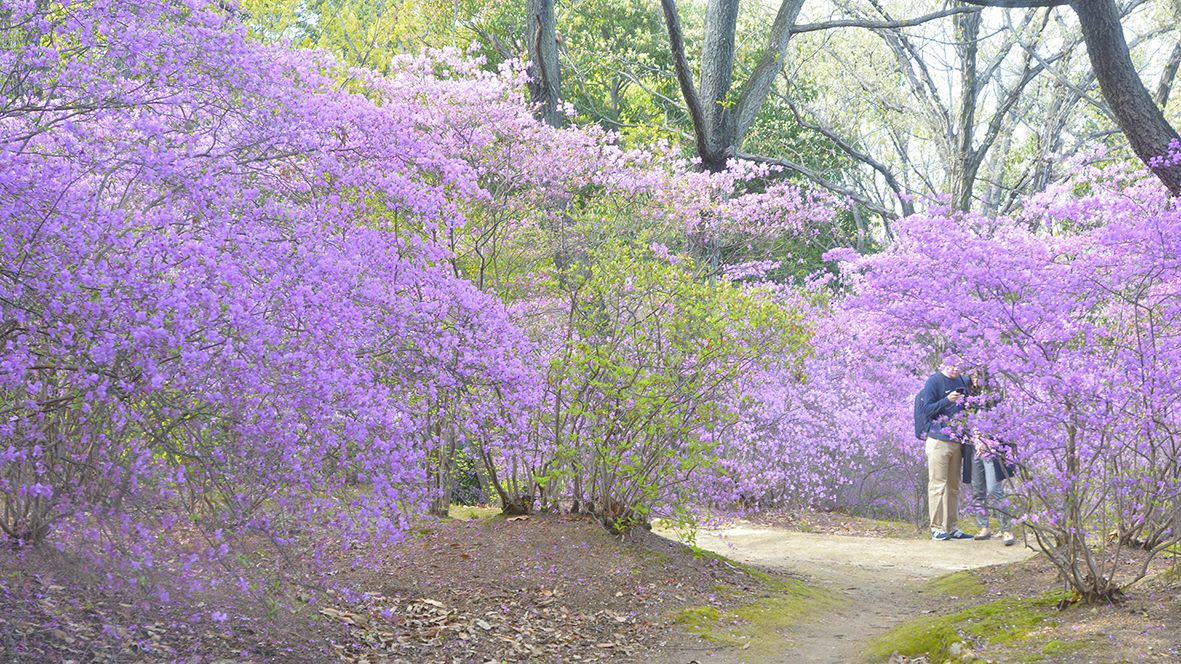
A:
(1056, 648)
(760, 625)
(959, 584)
(995, 623)
(466, 512)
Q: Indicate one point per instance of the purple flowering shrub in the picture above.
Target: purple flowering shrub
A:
(1073, 305)
(555, 208)
(646, 364)
(831, 428)
(224, 291)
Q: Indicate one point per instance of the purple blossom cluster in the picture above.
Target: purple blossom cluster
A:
(247, 288)
(828, 427)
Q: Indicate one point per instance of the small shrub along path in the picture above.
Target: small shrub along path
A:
(793, 587)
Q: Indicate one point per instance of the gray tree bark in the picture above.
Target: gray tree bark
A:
(717, 71)
(967, 161)
(720, 117)
(545, 84)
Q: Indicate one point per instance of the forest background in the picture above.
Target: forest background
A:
(319, 268)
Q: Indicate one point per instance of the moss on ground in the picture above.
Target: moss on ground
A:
(465, 512)
(959, 584)
(899, 529)
(760, 626)
(1056, 648)
(1002, 622)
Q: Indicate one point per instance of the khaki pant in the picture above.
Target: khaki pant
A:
(943, 483)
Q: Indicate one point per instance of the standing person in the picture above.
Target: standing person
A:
(940, 402)
(988, 470)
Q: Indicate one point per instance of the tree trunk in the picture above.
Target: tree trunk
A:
(545, 78)
(1135, 111)
(965, 162)
(721, 118)
(445, 468)
(717, 71)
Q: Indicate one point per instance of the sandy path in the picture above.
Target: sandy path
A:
(880, 576)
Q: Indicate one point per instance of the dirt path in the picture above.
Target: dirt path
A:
(880, 576)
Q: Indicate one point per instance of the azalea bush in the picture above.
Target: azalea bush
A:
(248, 286)
(225, 296)
(250, 289)
(830, 430)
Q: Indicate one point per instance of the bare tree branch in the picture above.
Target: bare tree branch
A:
(655, 94)
(882, 25)
(1167, 76)
(822, 181)
(676, 39)
(490, 38)
(900, 45)
(887, 174)
(1017, 4)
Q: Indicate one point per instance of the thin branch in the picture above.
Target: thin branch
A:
(490, 38)
(882, 25)
(902, 46)
(820, 180)
(1166, 80)
(891, 181)
(676, 39)
(1017, 4)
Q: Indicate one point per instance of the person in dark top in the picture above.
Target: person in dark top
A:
(940, 400)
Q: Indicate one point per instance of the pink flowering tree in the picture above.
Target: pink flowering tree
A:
(1072, 305)
(224, 291)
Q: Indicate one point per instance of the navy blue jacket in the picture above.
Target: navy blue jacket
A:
(937, 409)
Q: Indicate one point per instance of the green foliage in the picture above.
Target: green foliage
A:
(649, 355)
(616, 66)
(776, 132)
(364, 33)
(619, 68)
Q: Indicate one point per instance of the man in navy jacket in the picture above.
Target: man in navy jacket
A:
(940, 402)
